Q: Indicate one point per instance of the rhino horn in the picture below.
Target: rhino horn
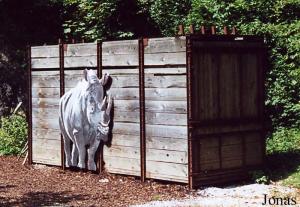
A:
(102, 105)
(104, 79)
(109, 106)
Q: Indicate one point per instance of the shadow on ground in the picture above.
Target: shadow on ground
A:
(282, 165)
(42, 199)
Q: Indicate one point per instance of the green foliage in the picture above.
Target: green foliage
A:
(279, 22)
(168, 14)
(13, 134)
(259, 177)
(284, 141)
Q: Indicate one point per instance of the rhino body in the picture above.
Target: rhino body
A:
(84, 117)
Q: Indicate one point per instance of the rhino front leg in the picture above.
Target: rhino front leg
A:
(67, 145)
(91, 155)
(79, 142)
(74, 160)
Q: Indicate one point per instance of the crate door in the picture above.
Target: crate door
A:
(227, 109)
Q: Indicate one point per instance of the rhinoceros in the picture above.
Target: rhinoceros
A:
(84, 116)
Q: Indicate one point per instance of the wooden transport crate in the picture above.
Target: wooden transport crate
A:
(188, 109)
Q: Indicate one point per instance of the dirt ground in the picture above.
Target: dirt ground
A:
(51, 186)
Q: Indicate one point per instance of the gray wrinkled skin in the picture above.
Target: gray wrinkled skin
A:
(84, 117)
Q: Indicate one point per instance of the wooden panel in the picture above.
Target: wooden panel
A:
(40, 154)
(126, 128)
(45, 123)
(205, 86)
(178, 58)
(45, 51)
(47, 144)
(120, 47)
(163, 143)
(159, 94)
(152, 130)
(152, 106)
(151, 118)
(45, 92)
(121, 165)
(249, 84)
(167, 171)
(151, 154)
(229, 86)
(48, 134)
(45, 79)
(45, 102)
(165, 44)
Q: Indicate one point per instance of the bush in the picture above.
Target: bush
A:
(13, 134)
(284, 140)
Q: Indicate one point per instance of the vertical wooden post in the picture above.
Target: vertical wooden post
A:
(180, 30)
(233, 32)
(189, 64)
(29, 116)
(225, 31)
(202, 30)
(191, 29)
(99, 74)
(213, 30)
(62, 91)
(142, 110)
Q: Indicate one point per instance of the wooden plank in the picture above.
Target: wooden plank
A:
(165, 44)
(154, 71)
(159, 94)
(168, 171)
(45, 51)
(91, 61)
(205, 90)
(44, 63)
(166, 119)
(152, 130)
(249, 86)
(152, 81)
(122, 151)
(126, 128)
(121, 165)
(46, 156)
(45, 123)
(80, 49)
(254, 153)
(48, 144)
(163, 143)
(178, 58)
(48, 134)
(166, 131)
(120, 47)
(230, 152)
(178, 107)
(229, 86)
(151, 154)
(166, 71)
(50, 80)
(40, 160)
(45, 92)
(45, 102)
(151, 118)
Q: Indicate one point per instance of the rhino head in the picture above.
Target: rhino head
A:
(98, 108)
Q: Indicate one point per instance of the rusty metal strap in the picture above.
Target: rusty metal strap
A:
(142, 110)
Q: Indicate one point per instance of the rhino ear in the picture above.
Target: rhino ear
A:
(85, 72)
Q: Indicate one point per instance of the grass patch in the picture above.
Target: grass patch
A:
(283, 157)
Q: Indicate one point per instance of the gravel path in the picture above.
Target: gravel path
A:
(245, 196)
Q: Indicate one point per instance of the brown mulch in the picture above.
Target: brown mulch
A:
(50, 186)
